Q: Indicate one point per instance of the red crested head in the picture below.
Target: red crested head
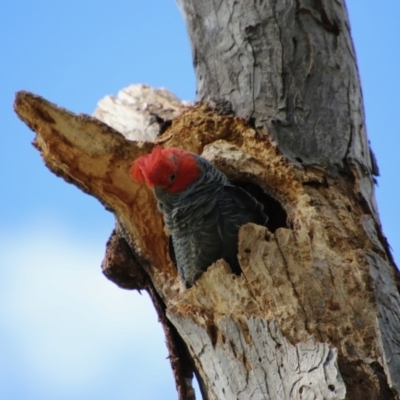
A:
(171, 168)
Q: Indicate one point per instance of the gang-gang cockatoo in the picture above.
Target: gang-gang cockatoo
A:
(202, 210)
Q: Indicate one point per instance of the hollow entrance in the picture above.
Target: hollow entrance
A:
(277, 217)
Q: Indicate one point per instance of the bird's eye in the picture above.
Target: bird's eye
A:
(172, 177)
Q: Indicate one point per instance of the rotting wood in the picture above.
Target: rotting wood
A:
(139, 112)
(310, 279)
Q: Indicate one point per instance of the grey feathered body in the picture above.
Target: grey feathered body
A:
(204, 221)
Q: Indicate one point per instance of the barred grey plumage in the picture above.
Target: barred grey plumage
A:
(204, 217)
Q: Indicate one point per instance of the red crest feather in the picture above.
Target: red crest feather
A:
(170, 168)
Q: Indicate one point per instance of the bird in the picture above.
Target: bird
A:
(203, 212)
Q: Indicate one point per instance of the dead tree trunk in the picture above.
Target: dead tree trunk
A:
(316, 312)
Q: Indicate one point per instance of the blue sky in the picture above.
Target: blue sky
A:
(65, 331)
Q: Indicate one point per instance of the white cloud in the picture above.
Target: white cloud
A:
(67, 332)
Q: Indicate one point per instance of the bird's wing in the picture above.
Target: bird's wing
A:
(236, 208)
(243, 200)
(197, 243)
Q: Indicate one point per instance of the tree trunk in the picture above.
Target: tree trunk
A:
(316, 311)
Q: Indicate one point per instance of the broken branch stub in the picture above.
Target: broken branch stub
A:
(309, 288)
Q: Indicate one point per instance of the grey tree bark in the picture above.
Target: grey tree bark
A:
(290, 66)
(316, 311)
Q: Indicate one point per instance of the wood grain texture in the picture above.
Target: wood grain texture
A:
(316, 309)
(289, 65)
(139, 111)
(255, 361)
